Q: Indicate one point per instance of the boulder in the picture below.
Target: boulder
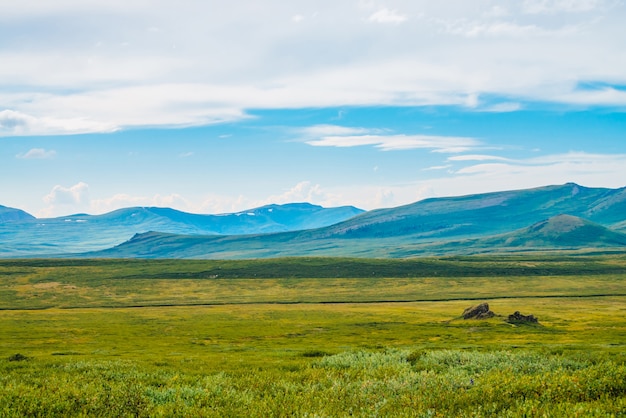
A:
(478, 312)
(517, 317)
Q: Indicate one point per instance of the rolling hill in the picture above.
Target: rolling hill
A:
(455, 225)
(559, 233)
(563, 231)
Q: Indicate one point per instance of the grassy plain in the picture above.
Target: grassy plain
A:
(312, 337)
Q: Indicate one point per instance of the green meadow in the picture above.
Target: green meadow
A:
(313, 337)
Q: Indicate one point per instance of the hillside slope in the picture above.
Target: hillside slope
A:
(487, 214)
(562, 233)
(466, 224)
(14, 215)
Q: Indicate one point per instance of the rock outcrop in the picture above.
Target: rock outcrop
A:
(478, 312)
(517, 317)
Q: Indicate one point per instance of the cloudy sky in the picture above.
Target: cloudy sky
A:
(211, 106)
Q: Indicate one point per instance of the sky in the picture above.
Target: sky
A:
(216, 107)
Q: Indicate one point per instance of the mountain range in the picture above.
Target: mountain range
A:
(560, 217)
(21, 234)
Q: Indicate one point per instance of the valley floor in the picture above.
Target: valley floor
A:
(77, 343)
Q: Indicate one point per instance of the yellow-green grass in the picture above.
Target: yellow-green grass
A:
(220, 337)
(324, 360)
(92, 341)
(66, 293)
(33, 284)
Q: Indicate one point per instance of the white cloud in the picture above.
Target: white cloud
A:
(339, 136)
(327, 130)
(559, 6)
(438, 167)
(74, 195)
(387, 16)
(218, 204)
(493, 29)
(579, 157)
(14, 123)
(384, 198)
(580, 167)
(503, 107)
(496, 11)
(63, 200)
(373, 197)
(476, 158)
(38, 153)
(600, 96)
(109, 69)
(162, 105)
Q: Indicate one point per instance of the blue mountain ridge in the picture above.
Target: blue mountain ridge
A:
(451, 225)
(29, 236)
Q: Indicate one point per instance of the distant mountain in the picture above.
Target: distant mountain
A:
(452, 225)
(13, 215)
(265, 219)
(28, 236)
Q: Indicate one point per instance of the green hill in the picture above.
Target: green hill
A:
(457, 225)
(559, 233)
(490, 213)
(565, 231)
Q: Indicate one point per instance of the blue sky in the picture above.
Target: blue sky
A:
(211, 107)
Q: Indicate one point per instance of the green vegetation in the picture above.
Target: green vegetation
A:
(231, 338)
